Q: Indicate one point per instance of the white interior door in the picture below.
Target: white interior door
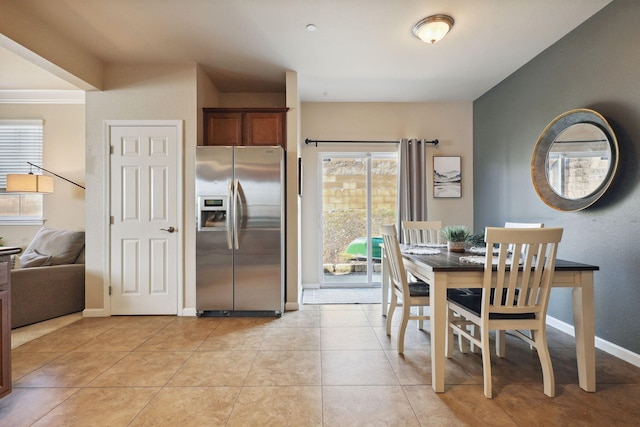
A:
(144, 214)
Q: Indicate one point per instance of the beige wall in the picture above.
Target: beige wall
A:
(450, 123)
(208, 96)
(293, 254)
(34, 40)
(137, 92)
(252, 100)
(134, 92)
(148, 92)
(267, 100)
(64, 135)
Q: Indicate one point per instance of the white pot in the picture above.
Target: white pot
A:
(455, 246)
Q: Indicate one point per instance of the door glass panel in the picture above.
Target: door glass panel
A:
(359, 194)
(384, 203)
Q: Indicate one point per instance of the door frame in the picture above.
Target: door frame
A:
(179, 126)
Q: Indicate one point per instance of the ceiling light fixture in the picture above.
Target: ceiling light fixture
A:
(433, 28)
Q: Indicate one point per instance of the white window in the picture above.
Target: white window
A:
(21, 141)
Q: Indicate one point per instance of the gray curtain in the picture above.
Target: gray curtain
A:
(412, 181)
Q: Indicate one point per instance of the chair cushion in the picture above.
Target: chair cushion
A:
(62, 246)
(418, 289)
(463, 291)
(418, 284)
(473, 302)
(477, 291)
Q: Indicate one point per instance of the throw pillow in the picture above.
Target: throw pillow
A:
(34, 259)
(63, 246)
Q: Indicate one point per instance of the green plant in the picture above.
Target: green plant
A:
(476, 239)
(455, 233)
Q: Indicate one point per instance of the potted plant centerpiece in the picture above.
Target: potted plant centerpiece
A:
(456, 236)
(476, 239)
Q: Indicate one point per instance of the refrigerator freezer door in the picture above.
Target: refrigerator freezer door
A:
(259, 283)
(214, 257)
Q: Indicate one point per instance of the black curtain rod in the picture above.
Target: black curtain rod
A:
(316, 141)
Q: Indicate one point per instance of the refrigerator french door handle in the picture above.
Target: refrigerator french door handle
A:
(227, 220)
(236, 213)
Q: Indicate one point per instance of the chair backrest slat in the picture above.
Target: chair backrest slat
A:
(397, 273)
(523, 225)
(524, 271)
(510, 224)
(421, 231)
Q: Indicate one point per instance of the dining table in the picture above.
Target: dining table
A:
(444, 270)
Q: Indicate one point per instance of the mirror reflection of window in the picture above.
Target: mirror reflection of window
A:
(578, 161)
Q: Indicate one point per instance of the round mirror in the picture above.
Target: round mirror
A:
(574, 160)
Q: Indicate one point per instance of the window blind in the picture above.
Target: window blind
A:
(21, 141)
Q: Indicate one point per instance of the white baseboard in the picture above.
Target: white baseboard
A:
(291, 306)
(188, 312)
(101, 312)
(606, 346)
(95, 312)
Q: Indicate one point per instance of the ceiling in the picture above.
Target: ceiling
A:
(362, 50)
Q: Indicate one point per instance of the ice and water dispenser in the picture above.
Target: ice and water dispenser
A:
(212, 213)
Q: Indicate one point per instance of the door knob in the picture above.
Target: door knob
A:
(170, 229)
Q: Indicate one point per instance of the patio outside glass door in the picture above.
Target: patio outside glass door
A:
(359, 194)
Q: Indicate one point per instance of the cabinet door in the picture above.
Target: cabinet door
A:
(223, 129)
(264, 129)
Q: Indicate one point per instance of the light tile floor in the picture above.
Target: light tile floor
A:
(325, 365)
(342, 296)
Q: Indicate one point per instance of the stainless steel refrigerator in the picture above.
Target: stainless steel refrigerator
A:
(240, 231)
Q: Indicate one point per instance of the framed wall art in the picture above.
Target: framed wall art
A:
(447, 180)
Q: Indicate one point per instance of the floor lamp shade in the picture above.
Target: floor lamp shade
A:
(29, 183)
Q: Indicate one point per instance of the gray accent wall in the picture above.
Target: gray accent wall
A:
(596, 66)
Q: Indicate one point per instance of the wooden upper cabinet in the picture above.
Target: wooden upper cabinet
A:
(264, 129)
(223, 129)
(245, 126)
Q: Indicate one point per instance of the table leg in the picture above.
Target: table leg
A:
(438, 308)
(583, 319)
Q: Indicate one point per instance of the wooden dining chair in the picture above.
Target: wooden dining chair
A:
(420, 232)
(415, 232)
(500, 335)
(403, 293)
(523, 286)
(465, 345)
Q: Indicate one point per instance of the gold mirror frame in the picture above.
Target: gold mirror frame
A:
(541, 153)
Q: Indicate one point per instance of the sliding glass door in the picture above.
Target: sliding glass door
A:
(359, 194)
